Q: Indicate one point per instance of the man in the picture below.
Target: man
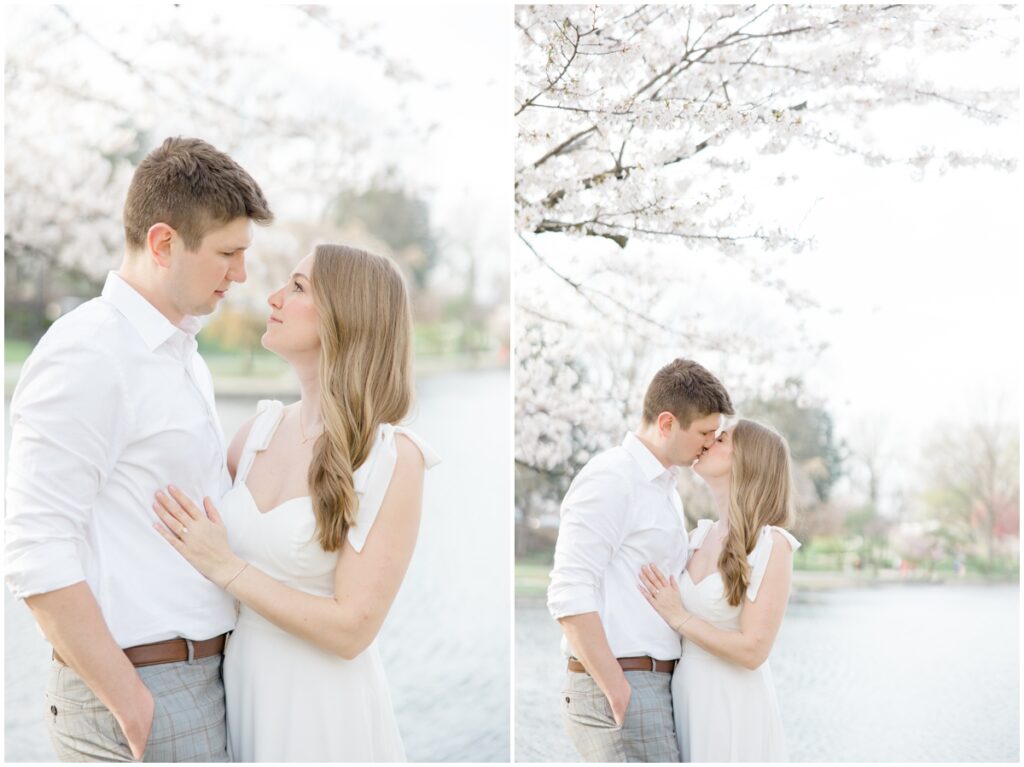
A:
(623, 511)
(113, 404)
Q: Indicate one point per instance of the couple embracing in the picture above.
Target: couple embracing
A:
(667, 631)
(210, 601)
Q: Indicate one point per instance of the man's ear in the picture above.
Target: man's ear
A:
(158, 244)
(665, 421)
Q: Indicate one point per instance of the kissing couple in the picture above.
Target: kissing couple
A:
(667, 631)
(205, 602)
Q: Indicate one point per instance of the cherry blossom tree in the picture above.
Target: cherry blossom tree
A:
(621, 111)
(653, 140)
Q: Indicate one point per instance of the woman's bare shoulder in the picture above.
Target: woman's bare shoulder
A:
(410, 457)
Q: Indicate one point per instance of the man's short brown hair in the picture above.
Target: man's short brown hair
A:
(688, 391)
(193, 188)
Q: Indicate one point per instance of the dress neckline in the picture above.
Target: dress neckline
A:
(701, 535)
(272, 509)
(696, 584)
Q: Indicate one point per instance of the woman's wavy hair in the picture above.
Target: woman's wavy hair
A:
(760, 493)
(365, 374)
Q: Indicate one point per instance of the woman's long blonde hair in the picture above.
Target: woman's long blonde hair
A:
(365, 374)
(760, 493)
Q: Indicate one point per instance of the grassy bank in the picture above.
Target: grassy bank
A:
(15, 351)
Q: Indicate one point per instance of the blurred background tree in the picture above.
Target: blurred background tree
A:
(391, 215)
(972, 489)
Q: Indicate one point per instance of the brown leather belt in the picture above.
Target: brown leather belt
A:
(641, 663)
(168, 651)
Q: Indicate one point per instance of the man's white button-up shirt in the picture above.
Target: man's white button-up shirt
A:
(113, 404)
(622, 511)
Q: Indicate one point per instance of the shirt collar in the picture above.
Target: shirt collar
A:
(651, 467)
(150, 323)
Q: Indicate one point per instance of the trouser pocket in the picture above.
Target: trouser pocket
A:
(588, 709)
(81, 728)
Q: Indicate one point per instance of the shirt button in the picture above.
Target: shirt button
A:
(53, 709)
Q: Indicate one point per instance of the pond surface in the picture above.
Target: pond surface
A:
(897, 673)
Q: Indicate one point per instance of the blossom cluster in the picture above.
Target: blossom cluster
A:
(622, 111)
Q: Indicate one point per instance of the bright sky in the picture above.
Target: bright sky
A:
(927, 278)
(468, 159)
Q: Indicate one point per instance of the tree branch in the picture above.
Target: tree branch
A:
(564, 145)
(552, 83)
(583, 292)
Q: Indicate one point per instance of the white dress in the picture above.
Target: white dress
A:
(723, 711)
(288, 700)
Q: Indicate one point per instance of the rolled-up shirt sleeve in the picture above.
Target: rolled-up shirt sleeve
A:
(593, 524)
(67, 429)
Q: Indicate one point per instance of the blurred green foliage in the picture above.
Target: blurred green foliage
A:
(16, 351)
(396, 218)
(808, 429)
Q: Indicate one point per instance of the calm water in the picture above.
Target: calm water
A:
(445, 643)
(901, 673)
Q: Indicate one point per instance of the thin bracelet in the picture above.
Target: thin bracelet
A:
(679, 629)
(235, 576)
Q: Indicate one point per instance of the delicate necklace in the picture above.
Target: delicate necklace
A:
(302, 431)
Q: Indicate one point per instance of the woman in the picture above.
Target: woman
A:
(729, 604)
(315, 536)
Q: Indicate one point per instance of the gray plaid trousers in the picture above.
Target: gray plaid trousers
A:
(647, 735)
(188, 719)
